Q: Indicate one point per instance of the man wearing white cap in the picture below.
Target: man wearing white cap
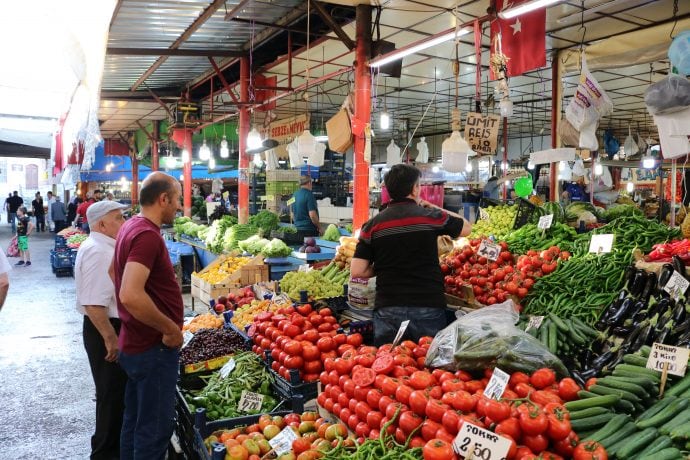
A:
(96, 301)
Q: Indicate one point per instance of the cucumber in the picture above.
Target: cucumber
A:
(681, 387)
(644, 382)
(669, 453)
(558, 322)
(681, 432)
(614, 383)
(578, 414)
(584, 394)
(665, 415)
(645, 350)
(583, 328)
(553, 338)
(544, 335)
(605, 390)
(635, 360)
(659, 443)
(639, 370)
(626, 407)
(636, 442)
(678, 420)
(656, 408)
(634, 374)
(611, 427)
(603, 401)
(611, 450)
(626, 430)
(590, 423)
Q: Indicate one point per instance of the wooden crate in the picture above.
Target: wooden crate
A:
(253, 272)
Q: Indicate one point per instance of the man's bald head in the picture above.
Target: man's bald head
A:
(154, 185)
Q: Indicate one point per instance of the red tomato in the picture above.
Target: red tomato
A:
(389, 386)
(402, 393)
(450, 421)
(294, 362)
(510, 427)
(537, 443)
(340, 339)
(373, 398)
(374, 418)
(409, 421)
(312, 367)
(417, 401)
(518, 377)
(310, 353)
(384, 402)
(590, 450)
(421, 380)
(383, 364)
(365, 360)
(325, 312)
(355, 339)
(343, 366)
(498, 411)
(533, 422)
(542, 378)
(429, 429)
(361, 392)
(362, 410)
(590, 382)
(452, 385)
(523, 453)
(325, 344)
(465, 402)
(558, 428)
(523, 389)
(364, 377)
(435, 410)
(566, 447)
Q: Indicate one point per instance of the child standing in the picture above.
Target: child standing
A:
(24, 229)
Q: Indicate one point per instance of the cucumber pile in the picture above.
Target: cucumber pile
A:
(623, 413)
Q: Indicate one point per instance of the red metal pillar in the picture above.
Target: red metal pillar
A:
(505, 156)
(134, 185)
(186, 135)
(360, 212)
(243, 176)
(154, 146)
(555, 113)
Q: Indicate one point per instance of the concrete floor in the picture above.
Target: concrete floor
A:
(47, 407)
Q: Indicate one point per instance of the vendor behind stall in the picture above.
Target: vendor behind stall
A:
(305, 213)
(399, 247)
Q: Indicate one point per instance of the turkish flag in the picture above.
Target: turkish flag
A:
(523, 38)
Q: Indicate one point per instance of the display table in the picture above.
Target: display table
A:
(334, 214)
(203, 256)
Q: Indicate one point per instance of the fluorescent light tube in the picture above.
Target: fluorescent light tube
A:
(527, 7)
(419, 46)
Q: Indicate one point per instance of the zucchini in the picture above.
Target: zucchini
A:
(605, 390)
(616, 384)
(659, 443)
(669, 453)
(635, 360)
(603, 401)
(553, 338)
(578, 414)
(678, 420)
(681, 432)
(680, 387)
(590, 423)
(611, 427)
(656, 408)
(665, 415)
(625, 431)
(636, 442)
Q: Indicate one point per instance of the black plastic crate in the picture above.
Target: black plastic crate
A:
(295, 386)
(243, 334)
(485, 202)
(336, 304)
(525, 212)
(364, 327)
(60, 242)
(63, 272)
(61, 260)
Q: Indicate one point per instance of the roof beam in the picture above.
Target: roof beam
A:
(146, 133)
(334, 26)
(223, 81)
(116, 10)
(142, 96)
(233, 12)
(193, 27)
(173, 52)
(10, 149)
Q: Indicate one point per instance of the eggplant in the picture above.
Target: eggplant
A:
(638, 283)
(622, 331)
(678, 314)
(644, 333)
(664, 275)
(665, 334)
(658, 307)
(621, 314)
(649, 287)
(679, 265)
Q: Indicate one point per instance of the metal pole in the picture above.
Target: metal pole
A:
(555, 112)
(243, 176)
(360, 212)
(673, 192)
(505, 156)
(187, 172)
(154, 145)
(134, 185)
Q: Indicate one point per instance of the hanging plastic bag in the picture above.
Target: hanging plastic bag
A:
(392, 154)
(317, 158)
(668, 95)
(566, 174)
(570, 137)
(295, 158)
(606, 178)
(589, 103)
(588, 137)
(488, 338)
(423, 149)
(13, 249)
(629, 145)
(271, 160)
(579, 168)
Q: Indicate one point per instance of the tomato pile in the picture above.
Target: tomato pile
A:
(300, 338)
(494, 281)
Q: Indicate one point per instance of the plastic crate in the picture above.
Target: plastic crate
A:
(336, 304)
(60, 242)
(63, 272)
(61, 259)
(365, 327)
(281, 187)
(295, 387)
(485, 202)
(525, 211)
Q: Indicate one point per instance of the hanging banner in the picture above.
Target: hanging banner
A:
(481, 132)
(285, 131)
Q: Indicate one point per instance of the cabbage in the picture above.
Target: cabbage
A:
(253, 244)
(276, 248)
(332, 233)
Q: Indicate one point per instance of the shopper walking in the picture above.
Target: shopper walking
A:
(57, 214)
(7, 206)
(51, 200)
(399, 247)
(151, 310)
(24, 229)
(96, 301)
(72, 209)
(13, 203)
(305, 213)
(39, 212)
(81, 210)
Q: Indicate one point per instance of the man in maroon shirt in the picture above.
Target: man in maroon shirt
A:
(150, 307)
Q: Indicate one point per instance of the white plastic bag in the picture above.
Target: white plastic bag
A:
(423, 149)
(589, 103)
(668, 95)
(588, 137)
(317, 158)
(295, 158)
(392, 154)
(629, 145)
(271, 160)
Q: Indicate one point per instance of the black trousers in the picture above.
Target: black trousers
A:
(110, 381)
(59, 225)
(40, 222)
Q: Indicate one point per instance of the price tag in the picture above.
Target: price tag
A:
(489, 250)
(250, 402)
(401, 332)
(282, 442)
(483, 215)
(291, 201)
(227, 368)
(497, 384)
(534, 322)
(601, 243)
(545, 222)
(186, 337)
(676, 357)
(676, 285)
(304, 268)
(485, 444)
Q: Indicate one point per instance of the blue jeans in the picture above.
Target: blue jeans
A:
(424, 321)
(12, 217)
(148, 421)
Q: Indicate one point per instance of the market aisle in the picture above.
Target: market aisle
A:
(46, 391)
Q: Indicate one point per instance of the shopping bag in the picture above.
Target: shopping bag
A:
(339, 131)
(589, 103)
(13, 249)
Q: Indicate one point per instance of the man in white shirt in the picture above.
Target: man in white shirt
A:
(5, 268)
(49, 220)
(96, 301)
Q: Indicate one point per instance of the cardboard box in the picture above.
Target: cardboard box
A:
(254, 271)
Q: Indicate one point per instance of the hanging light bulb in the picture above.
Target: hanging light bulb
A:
(253, 139)
(170, 162)
(212, 163)
(204, 152)
(561, 166)
(630, 187)
(224, 151)
(598, 169)
(385, 121)
(185, 156)
(435, 169)
(504, 165)
(530, 165)
(648, 162)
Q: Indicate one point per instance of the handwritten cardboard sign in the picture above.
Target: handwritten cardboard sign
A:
(481, 132)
